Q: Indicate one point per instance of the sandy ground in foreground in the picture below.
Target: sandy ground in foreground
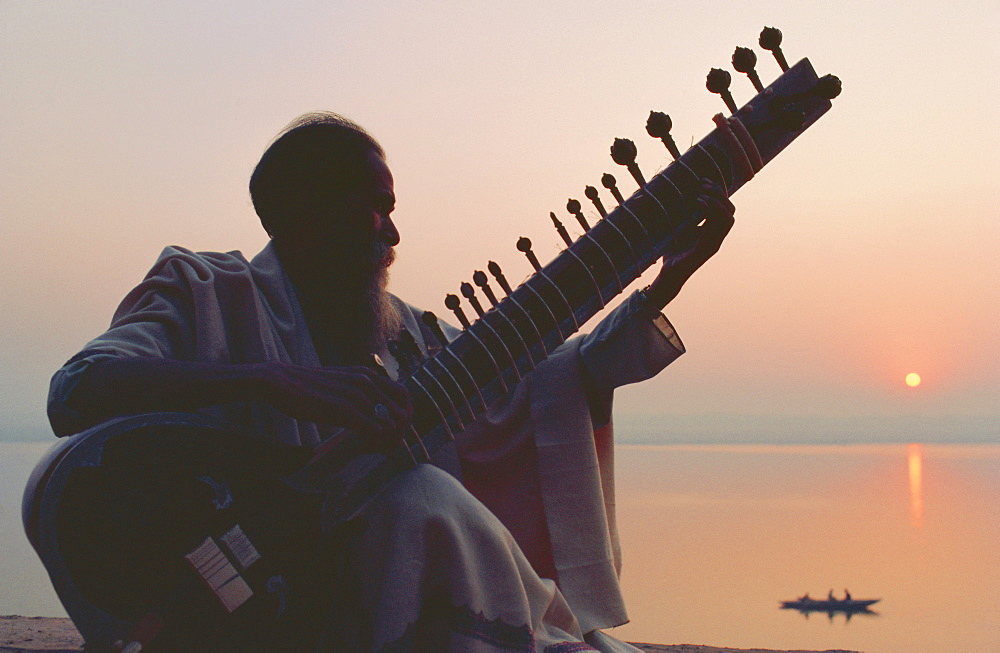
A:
(55, 635)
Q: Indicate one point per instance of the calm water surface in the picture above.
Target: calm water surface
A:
(716, 536)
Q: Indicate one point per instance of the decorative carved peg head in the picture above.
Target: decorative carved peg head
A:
(574, 207)
(608, 181)
(658, 125)
(770, 39)
(524, 245)
(497, 273)
(560, 229)
(828, 86)
(623, 152)
(592, 195)
(745, 61)
(470, 294)
(454, 305)
(430, 320)
(718, 81)
(479, 278)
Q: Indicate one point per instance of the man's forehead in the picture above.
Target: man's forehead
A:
(379, 177)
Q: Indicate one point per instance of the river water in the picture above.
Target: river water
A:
(715, 536)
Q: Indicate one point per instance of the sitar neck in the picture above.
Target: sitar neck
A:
(493, 353)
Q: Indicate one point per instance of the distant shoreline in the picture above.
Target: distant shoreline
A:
(707, 442)
(731, 428)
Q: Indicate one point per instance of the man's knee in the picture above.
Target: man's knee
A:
(428, 494)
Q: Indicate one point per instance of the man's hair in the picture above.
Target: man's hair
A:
(310, 165)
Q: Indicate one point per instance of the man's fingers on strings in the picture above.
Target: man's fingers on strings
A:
(716, 213)
(711, 190)
(378, 383)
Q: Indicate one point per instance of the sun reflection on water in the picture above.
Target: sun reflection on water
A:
(915, 459)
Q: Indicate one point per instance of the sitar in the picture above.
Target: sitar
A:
(178, 532)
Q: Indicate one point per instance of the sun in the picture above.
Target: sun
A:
(913, 379)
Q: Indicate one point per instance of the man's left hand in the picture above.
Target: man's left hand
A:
(694, 244)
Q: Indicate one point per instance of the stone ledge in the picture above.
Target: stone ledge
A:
(36, 634)
(57, 635)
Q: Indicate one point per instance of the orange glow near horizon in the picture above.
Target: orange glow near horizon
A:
(915, 460)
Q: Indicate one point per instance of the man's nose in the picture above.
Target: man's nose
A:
(387, 231)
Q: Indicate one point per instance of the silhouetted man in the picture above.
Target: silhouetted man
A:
(522, 554)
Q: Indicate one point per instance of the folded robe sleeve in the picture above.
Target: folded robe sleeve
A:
(205, 307)
(633, 343)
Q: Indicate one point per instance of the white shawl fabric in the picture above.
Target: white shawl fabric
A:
(535, 459)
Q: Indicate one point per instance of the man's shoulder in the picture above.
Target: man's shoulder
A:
(224, 260)
(180, 263)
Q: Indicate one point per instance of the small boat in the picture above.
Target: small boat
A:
(806, 604)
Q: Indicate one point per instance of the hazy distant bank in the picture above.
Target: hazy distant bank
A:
(800, 429)
(722, 428)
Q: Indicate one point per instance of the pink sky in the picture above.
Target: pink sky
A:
(864, 252)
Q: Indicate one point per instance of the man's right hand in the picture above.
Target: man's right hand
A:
(338, 396)
(333, 396)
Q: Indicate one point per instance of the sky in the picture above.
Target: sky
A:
(864, 252)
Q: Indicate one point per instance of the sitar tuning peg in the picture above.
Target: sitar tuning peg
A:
(770, 39)
(623, 152)
(454, 305)
(524, 245)
(744, 61)
(411, 348)
(561, 229)
(658, 125)
(595, 199)
(497, 273)
(828, 86)
(479, 278)
(470, 294)
(608, 181)
(573, 206)
(718, 81)
(431, 322)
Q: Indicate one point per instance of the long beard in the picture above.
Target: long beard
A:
(349, 307)
(385, 320)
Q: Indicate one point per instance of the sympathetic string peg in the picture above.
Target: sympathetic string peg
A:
(454, 305)
(470, 293)
(658, 125)
(524, 245)
(744, 61)
(561, 229)
(595, 199)
(609, 182)
(770, 39)
(431, 322)
(623, 152)
(718, 81)
(479, 278)
(573, 206)
(497, 273)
